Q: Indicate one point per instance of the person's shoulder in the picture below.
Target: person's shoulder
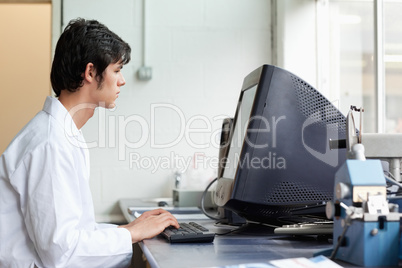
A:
(39, 132)
(35, 132)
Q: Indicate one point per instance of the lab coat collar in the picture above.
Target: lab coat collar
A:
(54, 107)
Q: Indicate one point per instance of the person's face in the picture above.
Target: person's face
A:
(108, 91)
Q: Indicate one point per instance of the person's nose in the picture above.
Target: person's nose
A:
(121, 81)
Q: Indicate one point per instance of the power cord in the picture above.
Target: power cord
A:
(203, 201)
(241, 227)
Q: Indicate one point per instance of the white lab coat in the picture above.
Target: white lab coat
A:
(46, 210)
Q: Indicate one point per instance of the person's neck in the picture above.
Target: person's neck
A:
(79, 109)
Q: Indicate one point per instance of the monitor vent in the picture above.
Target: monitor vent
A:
(273, 212)
(296, 192)
(315, 106)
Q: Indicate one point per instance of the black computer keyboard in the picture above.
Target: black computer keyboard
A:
(188, 232)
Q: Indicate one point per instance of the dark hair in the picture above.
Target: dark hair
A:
(82, 42)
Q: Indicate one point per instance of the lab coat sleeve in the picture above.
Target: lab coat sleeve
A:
(105, 225)
(54, 212)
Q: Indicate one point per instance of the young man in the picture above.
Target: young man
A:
(46, 209)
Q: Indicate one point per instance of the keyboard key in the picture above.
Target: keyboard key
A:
(188, 233)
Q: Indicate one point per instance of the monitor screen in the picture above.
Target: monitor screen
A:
(239, 131)
(278, 163)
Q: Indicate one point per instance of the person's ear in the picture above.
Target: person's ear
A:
(90, 72)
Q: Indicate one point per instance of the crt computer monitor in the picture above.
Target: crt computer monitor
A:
(278, 165)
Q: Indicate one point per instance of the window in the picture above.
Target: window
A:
(393, 65)
(352, 66)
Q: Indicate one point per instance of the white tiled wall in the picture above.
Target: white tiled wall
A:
(199, 51)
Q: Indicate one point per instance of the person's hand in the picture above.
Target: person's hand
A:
(150, 224)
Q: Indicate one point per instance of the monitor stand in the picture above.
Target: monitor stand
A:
(229, 217)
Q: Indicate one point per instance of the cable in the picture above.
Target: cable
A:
(348, 220)
(215, 218)
(203, 200)
(235, 230)
(263, 224)
(333, 255)
(392, 180)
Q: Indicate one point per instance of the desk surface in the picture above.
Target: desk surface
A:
(226, 249)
